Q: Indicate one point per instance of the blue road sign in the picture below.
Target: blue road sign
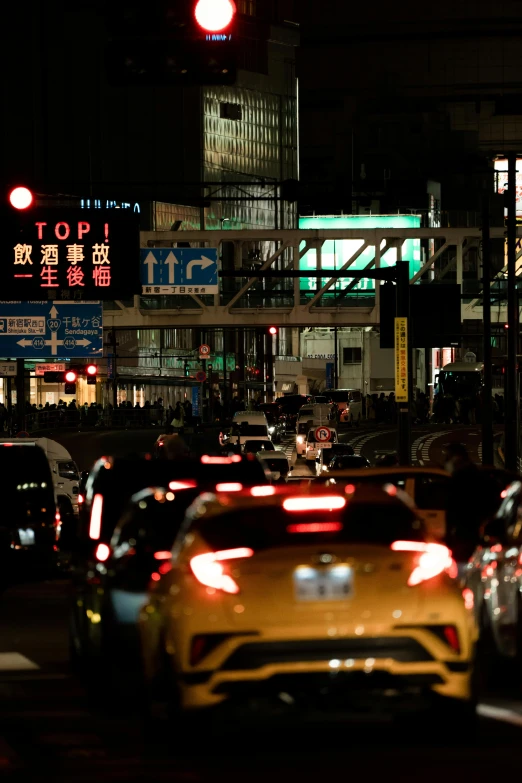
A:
(179, 270)
(51, 329)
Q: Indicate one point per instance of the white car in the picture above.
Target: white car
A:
(276, 462)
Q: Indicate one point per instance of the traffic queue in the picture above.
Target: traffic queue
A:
(208, 583)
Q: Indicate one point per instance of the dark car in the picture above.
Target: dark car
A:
(109, 489)
(346, 462)
(29, 524)
(291, 404)
(276, 420)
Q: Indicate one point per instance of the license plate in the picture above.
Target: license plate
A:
(323, 584)
(26, 536)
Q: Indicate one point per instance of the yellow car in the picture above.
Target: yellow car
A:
(309, 597)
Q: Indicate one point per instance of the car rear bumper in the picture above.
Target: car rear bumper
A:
(394, 664)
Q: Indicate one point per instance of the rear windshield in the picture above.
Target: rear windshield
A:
(253, 446)
(265, 528)
(25, 481)
(276, 464)
(341, 448)
(244, 428)
(347, 461)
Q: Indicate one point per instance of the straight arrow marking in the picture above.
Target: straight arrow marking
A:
(170, 261)
(150, 262)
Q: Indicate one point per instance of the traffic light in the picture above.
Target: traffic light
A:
(214, 16)
(21, 197)
(189, 43)
(70, 382)
(92, 372)
(273, 330)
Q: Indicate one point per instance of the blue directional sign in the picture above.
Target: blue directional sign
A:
(41, 330)
(179, 270)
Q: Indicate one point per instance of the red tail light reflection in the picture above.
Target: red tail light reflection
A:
(208, 460)
(434, 560)
(315, 527)
(208, 570)
(81, 499)
(163, 555)
(262, 492)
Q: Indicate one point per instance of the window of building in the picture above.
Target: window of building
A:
(352, 355)
(230, 111)
(247, 7)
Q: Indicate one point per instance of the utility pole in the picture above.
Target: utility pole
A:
(20, 395)
(487, 402)
(336, 360)
(403, 406)
(511, 402)
(114, 347)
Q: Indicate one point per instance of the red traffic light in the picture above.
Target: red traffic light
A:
(70, 376)
(20, 197)
(92, 369)
(272, 330)
(213, 16)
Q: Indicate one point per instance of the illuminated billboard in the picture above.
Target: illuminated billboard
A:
(501, 180)
(336, 252)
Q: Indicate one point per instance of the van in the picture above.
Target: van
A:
(64, 471)
(246, 425)
(29, 524)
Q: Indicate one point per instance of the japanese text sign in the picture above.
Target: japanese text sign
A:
(70, 253)
(401, 359)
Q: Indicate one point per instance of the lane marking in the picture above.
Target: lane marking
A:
(16, 662)
(500, 713)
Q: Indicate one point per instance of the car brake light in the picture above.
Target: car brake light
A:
(163, 555)
(315, 527)
(208, 460)
(262, 492)
(434, 560)
(160, 443)
(469, 598)
(452, 637)
(81, 499)
(208, 570)
(96, 517)
(177, 485)
(231, 486)
(324, 503)
(102, 552)
(57, 519)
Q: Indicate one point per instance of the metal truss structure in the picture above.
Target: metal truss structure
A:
(248, 301)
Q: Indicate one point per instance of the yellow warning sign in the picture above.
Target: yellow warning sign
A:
(401, 359)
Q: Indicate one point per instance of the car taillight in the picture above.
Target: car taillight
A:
(206, 459)
(324, 503)
(434, 559)
(452, 637)
(164, 554)
(102, 552)
(177, 485)
(209, 570)
(57, 519)
(96, 517)
(229, 486)
(315, 527)
(263, 491)
(81, 499)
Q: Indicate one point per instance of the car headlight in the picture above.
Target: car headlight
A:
(271, 430)
(300, 439)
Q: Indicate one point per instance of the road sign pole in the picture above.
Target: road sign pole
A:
(511, 403)
(20, 395)
(114, 345)
(403, 408)
(487, 402)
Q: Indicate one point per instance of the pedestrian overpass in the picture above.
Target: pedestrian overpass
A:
(250, 301)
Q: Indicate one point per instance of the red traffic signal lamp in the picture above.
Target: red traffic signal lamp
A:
(214, 16)
(70, 382)
(92, 372)
(273, 330)
(21, 197)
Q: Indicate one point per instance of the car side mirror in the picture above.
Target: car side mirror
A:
(494, 532)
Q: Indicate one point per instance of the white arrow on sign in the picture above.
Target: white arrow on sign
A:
(203, 262)
(54, 312)
(25, 343)
(170, 261)
(83, 342)
(150, 262)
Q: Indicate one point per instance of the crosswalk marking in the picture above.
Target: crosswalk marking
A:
(16, 662)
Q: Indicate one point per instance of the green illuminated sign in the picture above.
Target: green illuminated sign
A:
(336, 252)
